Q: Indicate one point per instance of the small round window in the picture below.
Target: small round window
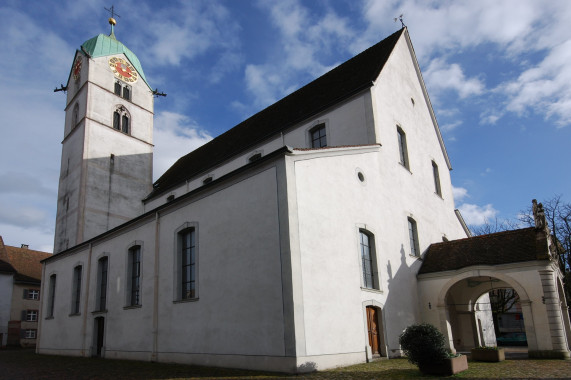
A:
(361, 176)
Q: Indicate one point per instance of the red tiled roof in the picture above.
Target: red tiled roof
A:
(505, 247)
(26, 262)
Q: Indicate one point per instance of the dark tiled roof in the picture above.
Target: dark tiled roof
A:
(344, 81)
(500, 248)
(6, 267)
(25, 262)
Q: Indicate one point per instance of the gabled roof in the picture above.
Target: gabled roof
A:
(505, 247)
(102, 45)
(24, 261)
(344, 81)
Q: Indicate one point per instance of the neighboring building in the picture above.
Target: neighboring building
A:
(20, 281)
(291, 242)
(7, 273)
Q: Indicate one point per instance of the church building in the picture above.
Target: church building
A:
(291, 242)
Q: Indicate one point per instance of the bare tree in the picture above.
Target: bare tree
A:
(492, 227)
(501, 301)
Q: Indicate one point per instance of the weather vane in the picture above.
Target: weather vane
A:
(396, 18)
(112, 11)
(112, 20)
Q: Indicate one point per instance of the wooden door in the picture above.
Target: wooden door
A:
(373, 327)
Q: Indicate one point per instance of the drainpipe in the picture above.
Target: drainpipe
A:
(86, 303)
(40, 319)
(154, 355)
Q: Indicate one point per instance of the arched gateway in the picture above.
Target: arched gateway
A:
(455, 274)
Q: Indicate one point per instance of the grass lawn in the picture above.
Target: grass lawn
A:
(25, 364)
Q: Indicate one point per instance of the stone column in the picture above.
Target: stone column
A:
(554, 317)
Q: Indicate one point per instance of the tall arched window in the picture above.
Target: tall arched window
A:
(75, 116)
(121, 120)
(368, 259)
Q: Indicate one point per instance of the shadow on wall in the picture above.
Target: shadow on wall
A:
(401, 306)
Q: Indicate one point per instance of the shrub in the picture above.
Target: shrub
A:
(423, 344)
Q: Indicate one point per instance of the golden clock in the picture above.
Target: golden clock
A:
(123, 69)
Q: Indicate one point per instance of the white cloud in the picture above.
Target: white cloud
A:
(459, 193)
(544, 87)
(174, 136)
(306, 40)
(510, 31)
(450, 126)
(441, 76)
(475, 215)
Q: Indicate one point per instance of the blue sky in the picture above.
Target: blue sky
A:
(497, 73)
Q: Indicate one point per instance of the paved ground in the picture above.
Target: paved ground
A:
(25, 364)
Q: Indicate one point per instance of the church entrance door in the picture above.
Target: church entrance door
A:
(99, 335)
(373, 328)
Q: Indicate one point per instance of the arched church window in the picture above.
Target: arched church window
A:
(121, 120)
(75, 116)
(125, 124)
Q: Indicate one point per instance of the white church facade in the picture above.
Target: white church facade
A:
(291, 242)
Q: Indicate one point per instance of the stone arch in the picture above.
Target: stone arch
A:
(482, 273)
(445, 319)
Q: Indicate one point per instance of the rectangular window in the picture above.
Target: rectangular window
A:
(30, 334)
(126, 93)
(413, 236)
(402, 148)
(436, 178)
(135, 272)
(31, 294)
(118, 88)
(51, 296)
(102, 268)
(76, 295)
(188, 263)
(31, 315)
(367, 257)
(318, 136)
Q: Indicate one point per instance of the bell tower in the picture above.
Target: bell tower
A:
(107, 147)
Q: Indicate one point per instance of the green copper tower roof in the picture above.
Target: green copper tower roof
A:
(102, 45)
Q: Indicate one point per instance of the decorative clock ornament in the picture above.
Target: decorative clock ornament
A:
(123, 69)
(77, 67)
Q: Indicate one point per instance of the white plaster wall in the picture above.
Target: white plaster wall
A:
(332, 205)
(68, 206)
(239, 311)
(6, 283)
(412, 192)
(63, 333)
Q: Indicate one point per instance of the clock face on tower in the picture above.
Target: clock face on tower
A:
(77, 68)
(123, 69)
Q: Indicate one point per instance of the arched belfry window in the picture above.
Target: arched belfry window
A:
(122, 120)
